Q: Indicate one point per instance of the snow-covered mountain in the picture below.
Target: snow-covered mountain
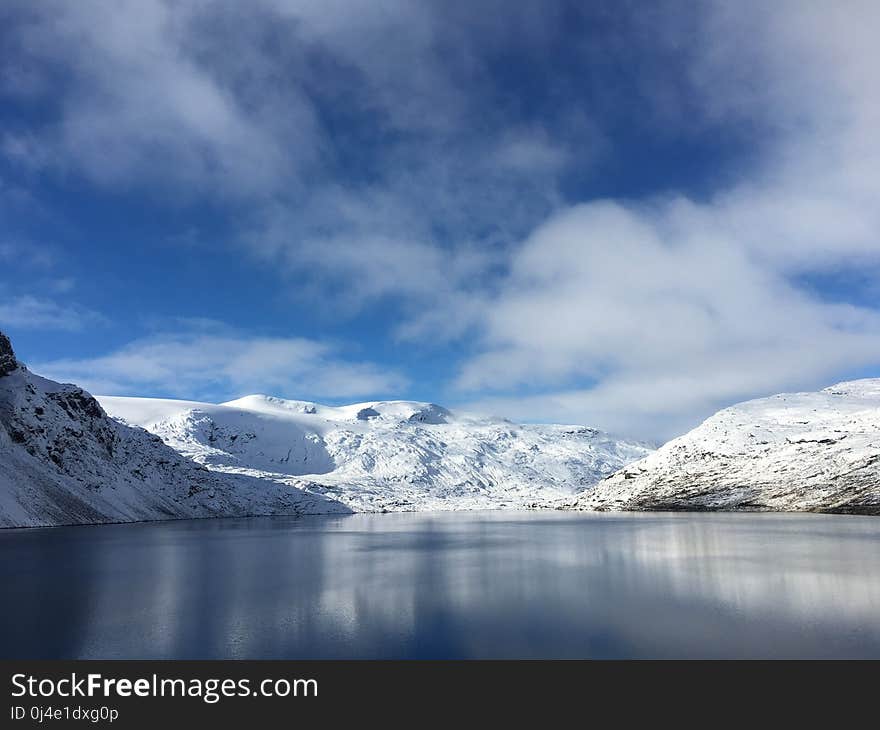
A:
(64, 461)
(389, 455)
(799, 451)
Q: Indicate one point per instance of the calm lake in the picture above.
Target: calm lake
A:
(448, 585)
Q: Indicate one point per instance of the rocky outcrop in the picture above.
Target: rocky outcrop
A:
(8, 363)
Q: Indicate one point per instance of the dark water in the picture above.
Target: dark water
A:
(447, 585)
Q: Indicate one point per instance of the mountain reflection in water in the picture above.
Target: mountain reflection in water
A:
(447, 585)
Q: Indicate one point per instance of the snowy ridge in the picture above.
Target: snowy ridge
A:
(796, 451)
(384, 455)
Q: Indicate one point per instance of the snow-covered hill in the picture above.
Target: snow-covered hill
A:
(799, 451)
(64, 461)
(394, 455)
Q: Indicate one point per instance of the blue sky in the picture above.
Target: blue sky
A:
(619, 214)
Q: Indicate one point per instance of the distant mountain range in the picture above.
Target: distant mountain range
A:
(67, 457)
(65, 460)
(378, 456)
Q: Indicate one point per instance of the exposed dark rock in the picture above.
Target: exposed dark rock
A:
(8, 363)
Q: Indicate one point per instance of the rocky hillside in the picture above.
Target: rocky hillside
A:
(64, 461)
(798, 451)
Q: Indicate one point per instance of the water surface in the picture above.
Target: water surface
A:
(454, 585)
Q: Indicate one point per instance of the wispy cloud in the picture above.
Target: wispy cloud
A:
(22, 253)
(331, 124)
(137, 104)
(202, 365)
(39, 313)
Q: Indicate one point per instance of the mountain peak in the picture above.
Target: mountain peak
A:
(8, 363)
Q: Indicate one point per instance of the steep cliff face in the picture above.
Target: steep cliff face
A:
(64, 461)
(794, 452)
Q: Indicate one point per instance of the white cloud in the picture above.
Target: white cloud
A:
(222, 97)
(669, 321)
(37, 313)
(204, 365)
(138, 104)
(672, 308)
(354, 248)
(212, 97)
